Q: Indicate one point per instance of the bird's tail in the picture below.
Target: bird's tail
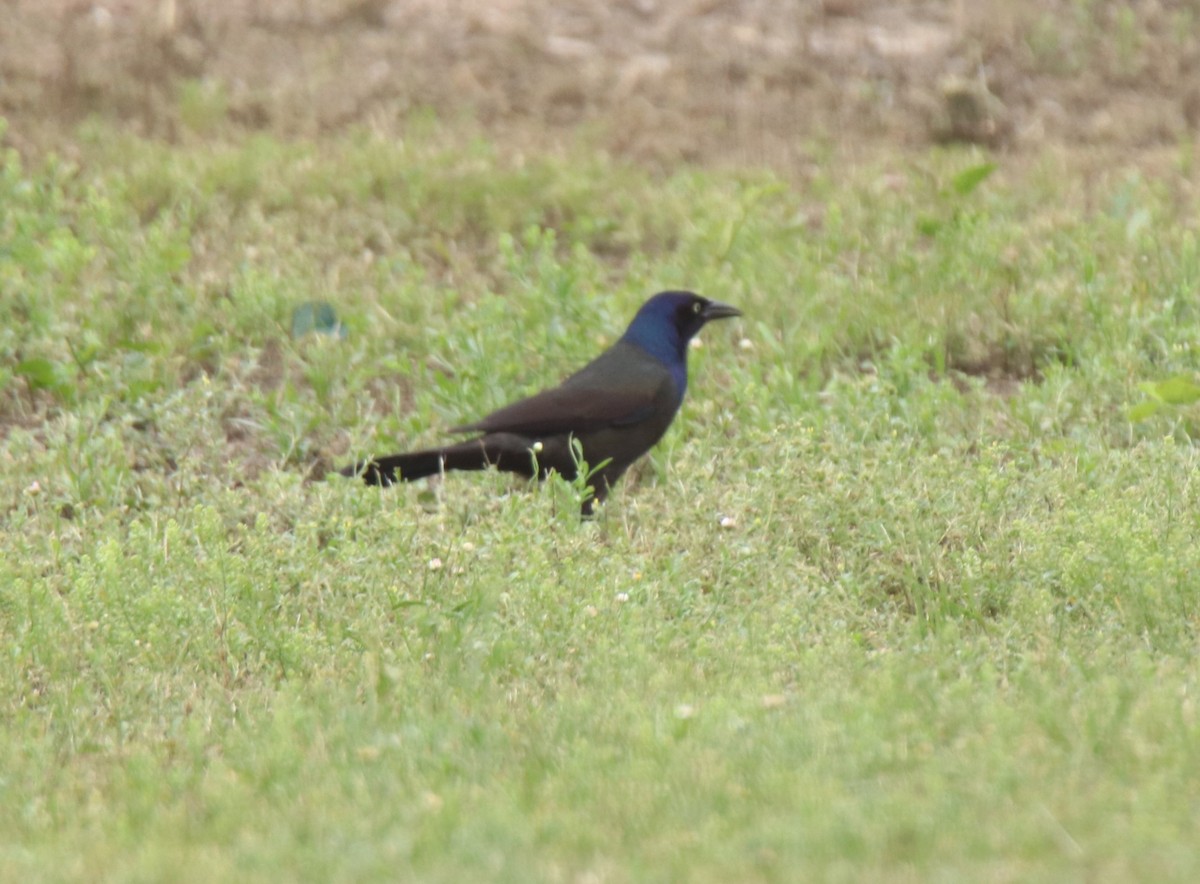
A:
(413, 465)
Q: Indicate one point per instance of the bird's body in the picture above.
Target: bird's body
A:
(617, 407)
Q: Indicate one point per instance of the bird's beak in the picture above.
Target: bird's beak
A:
(716, 310)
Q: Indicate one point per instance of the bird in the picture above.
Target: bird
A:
(612, 411)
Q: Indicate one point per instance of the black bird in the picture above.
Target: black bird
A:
(617, 406)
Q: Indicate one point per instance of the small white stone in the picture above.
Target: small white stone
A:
(728, 522)
(435, 564)
(102, 18)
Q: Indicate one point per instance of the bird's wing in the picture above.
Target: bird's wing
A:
(617, 389)
(563, 410)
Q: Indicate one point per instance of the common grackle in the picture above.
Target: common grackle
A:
(617, 406)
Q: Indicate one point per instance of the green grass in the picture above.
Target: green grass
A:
(902, 596)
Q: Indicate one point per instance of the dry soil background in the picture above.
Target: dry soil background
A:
(746, 81)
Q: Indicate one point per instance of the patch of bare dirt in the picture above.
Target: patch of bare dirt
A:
(747, 82)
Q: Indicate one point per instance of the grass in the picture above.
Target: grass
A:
(902, 596)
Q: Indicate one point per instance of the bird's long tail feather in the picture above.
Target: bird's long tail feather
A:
(475, 454)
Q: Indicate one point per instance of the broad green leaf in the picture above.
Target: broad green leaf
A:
(1144, 410)
(42, 373)
(1179, 390)
(1150, 388)
(966, 181)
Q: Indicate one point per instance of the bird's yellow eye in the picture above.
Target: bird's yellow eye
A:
(697, 306)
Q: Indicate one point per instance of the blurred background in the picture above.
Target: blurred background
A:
(744, 82)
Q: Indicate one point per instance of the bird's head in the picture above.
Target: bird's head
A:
(669, 320)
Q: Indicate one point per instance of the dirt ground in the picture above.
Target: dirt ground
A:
(749, 82)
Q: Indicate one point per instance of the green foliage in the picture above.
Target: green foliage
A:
(966, 181)
(902, 565)
(1178, 391)
(45, 374)
(953, 199)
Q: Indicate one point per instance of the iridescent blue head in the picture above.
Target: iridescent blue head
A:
(669, 320)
